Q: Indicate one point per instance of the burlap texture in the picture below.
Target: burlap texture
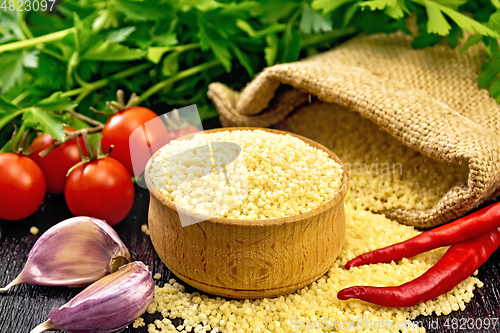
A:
(427, 99)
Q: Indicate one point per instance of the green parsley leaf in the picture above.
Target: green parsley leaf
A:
(271, 11)
(349, 14)
(111, 51)
(13, 64)
(105, 19)
(8, 112)
(397, 9)
(10, 28)
(155, 53)
(170, 64)
(244, 60)
(425, 40)
(495, 89)
(290, 44)
(455, 35)
(48, 122)
(472, 40)
(437, 23)
(327, 6)
(210, 39)
(311, 21)
(490, 71)
(120, 35)
(55, 102)
(143, 10)
(271, 50)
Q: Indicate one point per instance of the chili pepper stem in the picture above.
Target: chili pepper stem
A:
(45, 326)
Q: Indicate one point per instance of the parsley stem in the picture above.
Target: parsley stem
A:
(34, 41)
(179, 76)
(103, 82)
(24, 27)
(75, 92)
(27, 32)
(50, 53)
(186, 47)
(326, 37)
(21, 96)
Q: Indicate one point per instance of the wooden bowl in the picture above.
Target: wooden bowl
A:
(249, 258)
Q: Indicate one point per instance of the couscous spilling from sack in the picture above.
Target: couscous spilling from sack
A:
(317, 304)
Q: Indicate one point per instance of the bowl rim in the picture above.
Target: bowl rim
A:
(254, 223)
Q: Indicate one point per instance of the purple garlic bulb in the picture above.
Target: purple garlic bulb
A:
(73, 253)
(106, 306)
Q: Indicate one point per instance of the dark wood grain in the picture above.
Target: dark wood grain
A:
(25, 306)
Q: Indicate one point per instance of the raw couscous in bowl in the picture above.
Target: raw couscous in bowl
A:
(279, 231)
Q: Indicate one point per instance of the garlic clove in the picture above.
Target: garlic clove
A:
(106, 306)
(74, 253)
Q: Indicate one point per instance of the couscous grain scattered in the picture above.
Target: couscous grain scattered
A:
(34, 230)
(419, 187)
(139, 322)
(145, 229)
(365, 231)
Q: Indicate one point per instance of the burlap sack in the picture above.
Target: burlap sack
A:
(427, 99)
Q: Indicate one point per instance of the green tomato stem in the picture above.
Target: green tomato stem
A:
(23, 44)
(179, 76)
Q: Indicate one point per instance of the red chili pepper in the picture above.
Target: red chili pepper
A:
(464, 228)
(458, 263)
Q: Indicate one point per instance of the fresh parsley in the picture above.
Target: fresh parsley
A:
(168, 51)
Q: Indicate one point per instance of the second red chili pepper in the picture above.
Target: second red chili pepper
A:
(458, 263)
(464, 228)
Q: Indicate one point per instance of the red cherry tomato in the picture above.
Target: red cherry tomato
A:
(183, 131)
(22, 187)
(56, 164)
(100, 188)
(119, 128)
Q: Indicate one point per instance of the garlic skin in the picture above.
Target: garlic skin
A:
(73, 253)
(106, 306)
